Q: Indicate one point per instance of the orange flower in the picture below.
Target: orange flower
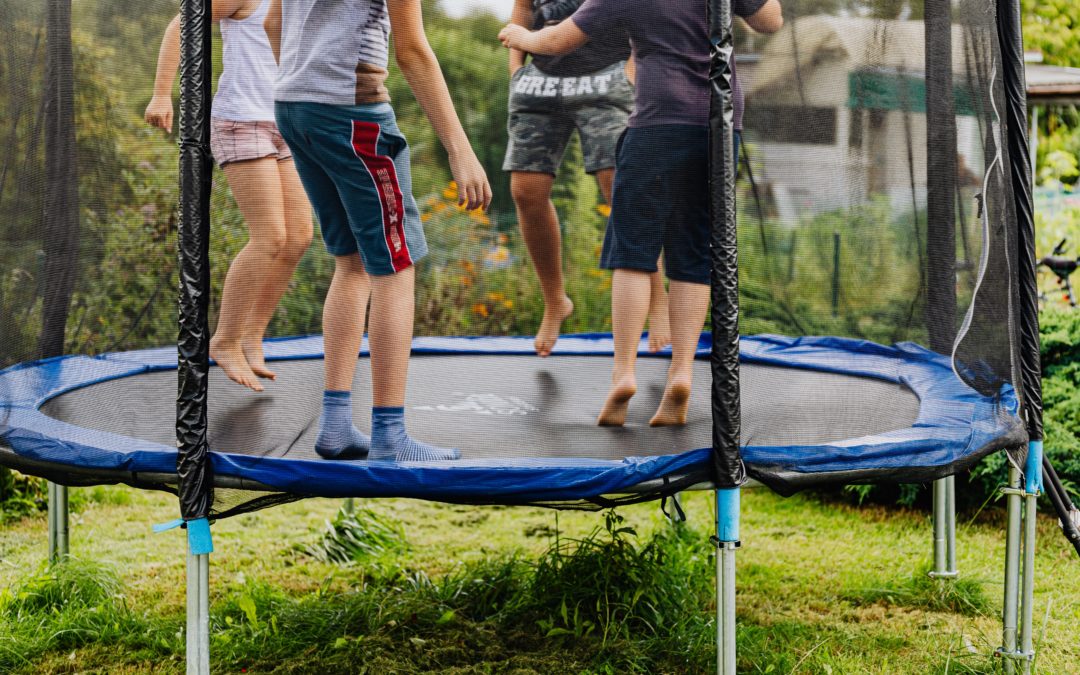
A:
(480, 309)
(508, 304)
(495, 297)
(425, 217)
(604, 210)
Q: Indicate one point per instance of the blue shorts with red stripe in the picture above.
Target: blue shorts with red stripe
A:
(354, 164)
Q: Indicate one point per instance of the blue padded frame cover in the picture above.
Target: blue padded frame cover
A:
(954, 423)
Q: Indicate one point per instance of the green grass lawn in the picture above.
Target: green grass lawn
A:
(824, 588)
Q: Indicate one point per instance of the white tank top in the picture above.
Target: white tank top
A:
(334, 51)
(245, 90)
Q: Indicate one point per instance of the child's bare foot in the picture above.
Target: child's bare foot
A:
(674, 406)
(659, 329)
(231, 359)
(613, 413)
(551, 326)
(253, 353)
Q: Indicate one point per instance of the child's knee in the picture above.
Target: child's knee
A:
(528, 192)
(271, 244)
(350, 265)
(296, 246)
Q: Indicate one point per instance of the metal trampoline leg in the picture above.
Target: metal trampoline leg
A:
(950, 525)
(349, 507)
(1027, 584)
(727, 541)
(58, 522)
(944, 529)
(1010, 614)
(198, 614)
(1023, 499)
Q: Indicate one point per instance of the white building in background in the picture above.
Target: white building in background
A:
(835, 108)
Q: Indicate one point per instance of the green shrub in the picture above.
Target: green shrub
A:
(20, 495)
(1060, 332)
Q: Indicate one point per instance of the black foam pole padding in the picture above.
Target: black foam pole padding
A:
(941, 177)
(1012, 59)
(193, 247)
(1063, 505)
(60, 227)
(726, 411)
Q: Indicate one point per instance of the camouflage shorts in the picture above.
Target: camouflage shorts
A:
(545, 111)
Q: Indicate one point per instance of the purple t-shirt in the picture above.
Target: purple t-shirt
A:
(671, 50)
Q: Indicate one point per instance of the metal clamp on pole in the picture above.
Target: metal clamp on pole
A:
(1017, 656)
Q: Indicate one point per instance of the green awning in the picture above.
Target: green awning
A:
(876, 90)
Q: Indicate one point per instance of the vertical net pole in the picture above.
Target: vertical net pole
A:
(1015, 114)
(725, 260)
(60, 242)
(940, 226)
(729, 470)
(193, 246)
(1020, 169)
(941, 177)
(193, 342)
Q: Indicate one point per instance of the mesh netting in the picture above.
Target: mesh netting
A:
(874, 203)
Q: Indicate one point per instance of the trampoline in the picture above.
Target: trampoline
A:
(815, 411)
(881, 258)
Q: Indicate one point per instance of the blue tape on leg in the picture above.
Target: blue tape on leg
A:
(199, 540)
(727, 514)
(171, 525)
(1033, 471)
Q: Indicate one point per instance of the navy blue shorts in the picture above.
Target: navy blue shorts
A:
(661, 203)
(354, 164)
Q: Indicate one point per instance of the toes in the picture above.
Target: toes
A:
(264, 372)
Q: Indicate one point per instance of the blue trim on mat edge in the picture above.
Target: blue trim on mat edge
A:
(954, 421)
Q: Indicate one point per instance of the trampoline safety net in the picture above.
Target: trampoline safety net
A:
(881, 255)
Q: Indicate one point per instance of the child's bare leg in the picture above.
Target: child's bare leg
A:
(659, 328)
(343, 333)
(689, 303)
(659, 322)
(262, 209)
(540, 228)
(629, 308)
(390, 339)
(297, 215)
(343, 320)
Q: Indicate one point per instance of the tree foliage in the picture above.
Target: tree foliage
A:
(1052, 27)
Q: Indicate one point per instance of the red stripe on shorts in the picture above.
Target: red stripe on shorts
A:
(365, 139)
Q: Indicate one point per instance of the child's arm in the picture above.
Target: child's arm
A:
(160, 111)
(522, 16)
(769, 18)
(272, 26)
(561, 38)
(421, 70)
